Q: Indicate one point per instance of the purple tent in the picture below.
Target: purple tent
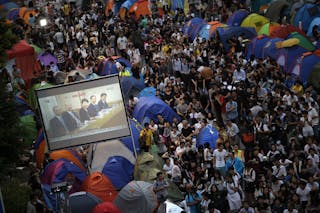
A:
(46, 58)
(237, 17)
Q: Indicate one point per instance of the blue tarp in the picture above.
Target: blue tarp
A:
(306, 14)
(135, 130)
(271, 50)
(119, 171)
(255, 46)
(237, 17)
(127, 4)
(151, 107)
(208, 134)
(226, 33)
(131, 86)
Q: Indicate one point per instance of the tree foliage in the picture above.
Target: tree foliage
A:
(7, 40)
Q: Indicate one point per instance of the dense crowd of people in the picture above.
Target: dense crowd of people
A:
(266, 157)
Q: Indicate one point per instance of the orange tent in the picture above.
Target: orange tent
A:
(27, 13)
(141, 8)
(214, 26)
(22, 11)
(69, 155)
(109, 7)
(99, 185)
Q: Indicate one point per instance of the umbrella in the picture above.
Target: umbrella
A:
(46, 58)
(83, 202)
(147, 92)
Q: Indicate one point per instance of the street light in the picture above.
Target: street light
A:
(43, 22)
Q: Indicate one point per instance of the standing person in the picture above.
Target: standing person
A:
(146, 137)
(160, 187)
(233, 195)
(122, 43)
(249, 179)
(176, 172)
(193, 199)
(219, 159)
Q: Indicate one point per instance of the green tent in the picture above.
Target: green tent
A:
(28, 125)
(267, 28)
(36, 48)
(303, 41)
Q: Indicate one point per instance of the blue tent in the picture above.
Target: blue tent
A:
(151, 107)
(270, 49)
(135, 130)
(304, 66)
(204, 32)
(226, 33)
(49, 197)
(119, 170)
(13, 14)
(147, 92)
(256, 45)
(315, 22)
(131, 86)
(237, 17)
(208, 134)
(288, 56)
(108, 67)
(306, 14)
(194, 26)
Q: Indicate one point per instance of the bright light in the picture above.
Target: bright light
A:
(43, 22)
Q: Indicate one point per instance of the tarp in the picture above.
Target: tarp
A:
(105, 207)
(226, 33)
(70, 155)
(151, 107)
(305, 15)
(304, 67)
(136, 128)
(303, 41)
(270, 49)
(208, 134)
(141, 8)
(255, 46)
(237, 17)
(193, 26)
(57, 171)
(283, 31)
(267, 28)
(83, 202)
(40, 148)
(119, 170)
(136, 197)
(315, 22)
(131, 86)
(147, 92)
(101, 186)
(276, 9)
(254, 20)
(99, 154)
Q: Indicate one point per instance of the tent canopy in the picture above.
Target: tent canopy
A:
(270, 49)
(83, 202)
(192, 27)
(136, 197)
(131, 86)
(275, 10)
(101, 186)
(70, 155)
(237, 17)
(305, 15)
(119, 170)
(303, 41)
(267, 28)
(136, 128)
(20, 49)
(255, 46)
(151, 107)
(254, 20)
(108, 67)
(304, 67)
(140, 8)
(105, 207)
(207, 31)
(208, 134)
(283, 31)
(315, 22)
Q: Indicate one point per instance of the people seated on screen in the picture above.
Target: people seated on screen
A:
(71, 118)
(93, 108)
(58, 127)
(83, 112)
(103, 101)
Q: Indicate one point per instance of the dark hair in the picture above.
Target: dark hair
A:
(84, 100)
(92, 96)
(103, 94)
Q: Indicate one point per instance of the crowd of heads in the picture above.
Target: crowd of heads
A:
(268, 121)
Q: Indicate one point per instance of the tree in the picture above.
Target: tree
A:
(7, 40)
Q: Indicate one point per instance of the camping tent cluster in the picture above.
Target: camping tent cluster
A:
(12, 11)
(271, 36)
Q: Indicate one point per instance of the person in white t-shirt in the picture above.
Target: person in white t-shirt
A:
(304, 193)
(168, 165)
(219, 159)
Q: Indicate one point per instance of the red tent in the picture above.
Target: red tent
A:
(106, 207)
(26, 60)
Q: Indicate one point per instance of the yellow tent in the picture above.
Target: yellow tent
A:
(254, 20)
